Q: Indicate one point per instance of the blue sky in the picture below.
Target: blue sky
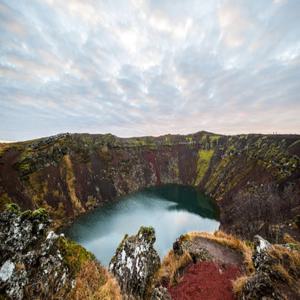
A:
(144, 67)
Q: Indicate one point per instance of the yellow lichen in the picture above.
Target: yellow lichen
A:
(204, 157)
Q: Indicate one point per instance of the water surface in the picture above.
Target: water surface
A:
(171, 209)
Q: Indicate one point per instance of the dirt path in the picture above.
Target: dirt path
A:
(220, 253)
(212, 279)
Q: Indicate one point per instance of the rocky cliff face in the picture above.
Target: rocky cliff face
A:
(36, 263)
(255, 179)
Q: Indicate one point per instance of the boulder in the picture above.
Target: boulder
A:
(31, 265)
(135, 262)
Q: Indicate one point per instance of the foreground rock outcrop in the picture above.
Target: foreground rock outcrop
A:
(36, 263)
(220, 266)
(135, 263)
(277, 272)
(255, 179)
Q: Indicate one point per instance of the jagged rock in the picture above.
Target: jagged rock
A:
(177, 247)
(160, 293)
(261, 258)
(134, 263)
(260, 286)
(31, 264)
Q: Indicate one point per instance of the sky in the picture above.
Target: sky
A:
(149, 67)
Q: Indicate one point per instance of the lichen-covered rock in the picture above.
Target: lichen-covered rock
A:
(160, 293)
(260, 286)
(134, 263)
(276, 272)
(261, 258)
(31, 264)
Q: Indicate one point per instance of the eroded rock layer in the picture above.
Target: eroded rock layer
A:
(255, 179)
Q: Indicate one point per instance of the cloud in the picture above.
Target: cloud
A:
(140, 67)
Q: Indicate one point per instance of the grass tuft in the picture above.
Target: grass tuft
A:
(239, 283)
(94, 282)
(171, 267)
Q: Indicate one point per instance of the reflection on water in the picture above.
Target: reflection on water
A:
(171, 209)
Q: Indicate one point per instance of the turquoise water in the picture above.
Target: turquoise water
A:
(171, 209)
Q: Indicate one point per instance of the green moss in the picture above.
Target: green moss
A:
(204, 157)
(189, 139)
(73, 254)
(40, 212)
(26, 214)
(214, 178)
(147, 232)
(24, 166)
(4, 200)
(3, 149)
(214, 138)
(13, 207)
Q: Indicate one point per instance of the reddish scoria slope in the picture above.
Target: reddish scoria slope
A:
(212, 278)
(206, 280)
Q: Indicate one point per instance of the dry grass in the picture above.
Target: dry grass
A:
(288, 239)
(283, 254)
(238, 284)
(283, 273)
(286, 266)
(171, 266)
(288, 263)
(230, 241)
(93, 282)
(71, 183)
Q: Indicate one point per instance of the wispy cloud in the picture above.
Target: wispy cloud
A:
(140, 67)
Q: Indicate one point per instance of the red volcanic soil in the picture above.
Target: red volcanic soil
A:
(207, 281)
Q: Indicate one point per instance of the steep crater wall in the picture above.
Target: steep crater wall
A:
(253, 178)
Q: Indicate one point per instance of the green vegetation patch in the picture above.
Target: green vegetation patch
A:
(204, 157)
(214, 138)
(4, 201)
(13, 207)
(3, 149)
(74, 255)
